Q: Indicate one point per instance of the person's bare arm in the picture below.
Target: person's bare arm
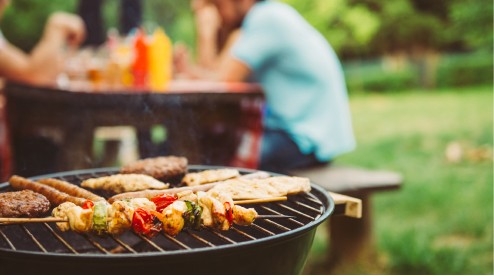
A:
(44, 62)
(232, 70)
(225, 68)
(211, 64)
(207, 26)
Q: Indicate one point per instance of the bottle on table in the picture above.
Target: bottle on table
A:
(160, 60)
(140, 65)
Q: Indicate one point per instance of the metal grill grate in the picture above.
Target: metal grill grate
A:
(45, 238)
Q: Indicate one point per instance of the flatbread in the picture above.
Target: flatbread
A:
(209, 176)
(274, 186)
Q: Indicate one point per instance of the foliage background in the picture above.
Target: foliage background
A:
(384, 45)
(355, 28)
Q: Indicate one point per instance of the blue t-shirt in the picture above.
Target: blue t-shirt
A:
(301, 77)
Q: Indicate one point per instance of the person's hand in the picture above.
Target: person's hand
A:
(181, 58)
(69, 26)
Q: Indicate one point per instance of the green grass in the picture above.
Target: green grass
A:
(441, 220)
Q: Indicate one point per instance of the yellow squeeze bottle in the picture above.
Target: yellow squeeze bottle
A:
(160, 61)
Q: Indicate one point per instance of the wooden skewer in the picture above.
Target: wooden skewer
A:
(5, 221)
(260, 200)
(8, 221)
(29, 220)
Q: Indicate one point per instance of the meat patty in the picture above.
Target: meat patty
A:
(25, 203)
(168, 169)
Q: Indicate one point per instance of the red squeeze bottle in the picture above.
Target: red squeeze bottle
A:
(140, 66)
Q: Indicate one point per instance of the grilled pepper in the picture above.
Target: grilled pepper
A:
(163, 200)
(192, 216)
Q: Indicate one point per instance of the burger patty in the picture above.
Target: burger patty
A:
(169, 169)
(25, 203)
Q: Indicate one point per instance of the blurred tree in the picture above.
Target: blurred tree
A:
(175, 16)
(408, 34)
(401, 29)
(366, 28)
(404, 29)
(472, 21)
(23, 21)
(349, 27)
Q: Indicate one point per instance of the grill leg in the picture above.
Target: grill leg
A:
(351, 240)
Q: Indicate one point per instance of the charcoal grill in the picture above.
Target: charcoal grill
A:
(269, 246)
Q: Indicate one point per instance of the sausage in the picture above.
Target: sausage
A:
(70, 189)
(55, 196)
(152, 193)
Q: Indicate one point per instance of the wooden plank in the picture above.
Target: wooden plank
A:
(353, 206)
(343, 179)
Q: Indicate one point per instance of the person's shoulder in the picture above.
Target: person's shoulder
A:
(272, 11)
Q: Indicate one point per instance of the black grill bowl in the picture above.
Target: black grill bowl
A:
(277, 246)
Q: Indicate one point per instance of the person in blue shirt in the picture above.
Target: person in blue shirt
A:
(307, 120)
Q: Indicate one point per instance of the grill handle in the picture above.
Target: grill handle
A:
(353, 206)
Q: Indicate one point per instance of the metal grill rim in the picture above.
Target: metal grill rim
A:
(318, 197)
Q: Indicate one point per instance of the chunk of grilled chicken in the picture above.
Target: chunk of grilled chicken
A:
(243, 216)
(173, 221)
(142, 202)
(120, 215)
(80, 220)
(214, 212)
(204, 201)
(187, 195)
(121, 212)
(61, 212)
(121, 183)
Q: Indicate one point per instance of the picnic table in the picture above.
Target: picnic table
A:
(203, 122)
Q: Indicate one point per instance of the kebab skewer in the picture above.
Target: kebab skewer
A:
(167, 213)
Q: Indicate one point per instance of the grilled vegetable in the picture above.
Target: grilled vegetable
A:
(162, 201)
(192, 216)
(99, 217)
(88, 204)
(145, 222)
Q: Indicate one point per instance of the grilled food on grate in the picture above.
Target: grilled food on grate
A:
(55, 196)
(70, 189)
(241, 188)
(164, 168)
(121, 183)
(25, 203)
(167, 213)
(209, 176)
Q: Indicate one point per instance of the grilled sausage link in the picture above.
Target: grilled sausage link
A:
(55, 196)
(70, 189)
(151, 193)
